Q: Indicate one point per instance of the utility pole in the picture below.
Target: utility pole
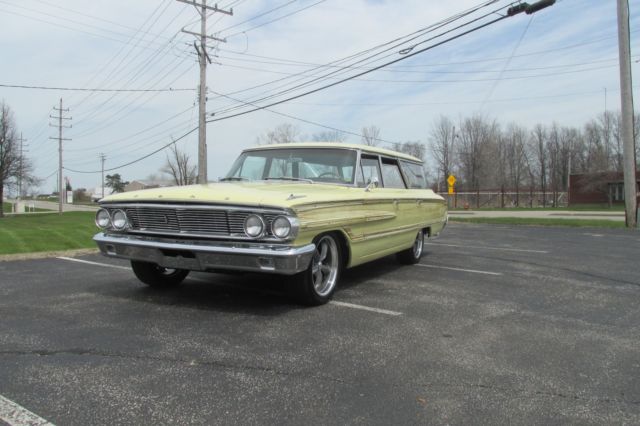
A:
(60, 126)
(21, 172)
(102, 159)
(203, 58)
(629, 151)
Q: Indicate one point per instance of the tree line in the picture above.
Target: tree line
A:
(486, 155)
(16, 170)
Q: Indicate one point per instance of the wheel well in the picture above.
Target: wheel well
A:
(344, 246)
(427, 231)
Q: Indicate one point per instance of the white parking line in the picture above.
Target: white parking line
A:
(106, 265)
(488, 248)
(16, 415)
(475, 271)
(365, 308)
(333, 302)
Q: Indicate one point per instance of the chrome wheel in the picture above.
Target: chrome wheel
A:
(412, 255)
(418, 245)
(325, 266)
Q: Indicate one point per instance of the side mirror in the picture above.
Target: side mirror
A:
(373, 183)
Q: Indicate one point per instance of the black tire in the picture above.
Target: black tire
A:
(156, 276)
(317, 284)
(412, 255)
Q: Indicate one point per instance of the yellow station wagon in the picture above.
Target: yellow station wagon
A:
(304, 210)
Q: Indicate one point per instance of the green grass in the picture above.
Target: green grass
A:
(542, 222)
(580, 207)
(47, 232)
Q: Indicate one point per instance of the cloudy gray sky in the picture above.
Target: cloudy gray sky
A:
(555, 65)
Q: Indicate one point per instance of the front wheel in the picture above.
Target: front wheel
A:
(412, 255)
(316, 285)
(157, 276)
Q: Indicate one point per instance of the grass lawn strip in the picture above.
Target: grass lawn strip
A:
(593, 223)
(47, 232)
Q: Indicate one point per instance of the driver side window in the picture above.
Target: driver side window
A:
(370, 169)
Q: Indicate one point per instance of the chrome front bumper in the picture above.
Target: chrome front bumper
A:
(207, 255)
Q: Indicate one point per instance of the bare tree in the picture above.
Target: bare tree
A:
(329, 136)
(516, 157)
(9, 151)
(476, 137)
(178, 167)
(417, 149)
(283, 133)
(539, 139)
(371, 135)
(441, 142)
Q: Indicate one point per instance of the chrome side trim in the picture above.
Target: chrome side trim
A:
(207, 255)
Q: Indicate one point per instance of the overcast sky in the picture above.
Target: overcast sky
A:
(556, 65)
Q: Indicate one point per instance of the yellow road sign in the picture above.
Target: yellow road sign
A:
(450, 189)
(451, 180)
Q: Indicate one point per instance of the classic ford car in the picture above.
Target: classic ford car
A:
(306, 211)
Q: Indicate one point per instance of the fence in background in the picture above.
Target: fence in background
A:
(505, 199)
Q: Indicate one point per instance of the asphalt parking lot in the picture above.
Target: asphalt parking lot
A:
(518, 325)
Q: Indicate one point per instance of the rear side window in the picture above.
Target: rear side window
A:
(415, 175)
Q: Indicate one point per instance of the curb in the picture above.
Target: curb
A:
(47, 254)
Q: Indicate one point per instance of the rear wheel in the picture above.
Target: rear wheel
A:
(413, 254)
(316, 285)
(157, 276)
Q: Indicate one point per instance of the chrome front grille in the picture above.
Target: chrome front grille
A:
(188, 221)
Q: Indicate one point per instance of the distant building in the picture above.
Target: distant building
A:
(99, 192)
(598, 188)
(137, 185)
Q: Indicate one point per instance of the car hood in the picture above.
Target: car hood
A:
(260, 194)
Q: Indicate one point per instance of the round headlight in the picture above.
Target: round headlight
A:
(119, 220)
(281, 227)
(253, 226)
(103, 219)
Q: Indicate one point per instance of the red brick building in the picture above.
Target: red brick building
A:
(598, 188)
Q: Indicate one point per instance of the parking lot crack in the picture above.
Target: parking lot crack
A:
(524, 392)
(189, 362)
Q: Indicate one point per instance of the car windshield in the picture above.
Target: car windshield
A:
(295, 164)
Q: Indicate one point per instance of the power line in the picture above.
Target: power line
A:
(508, 61)
(470, 80)
(572, 46)
(94, 34)
(275, 19)
(93, 89)
(97, 18)
(304, 120)
(258, 16)
(392, 47)
(405, 57)
(137, 159)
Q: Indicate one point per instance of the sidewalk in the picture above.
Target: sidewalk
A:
(540, 214)
(53, 207)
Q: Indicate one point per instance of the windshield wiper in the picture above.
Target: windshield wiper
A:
(289, 178)
(234, 178)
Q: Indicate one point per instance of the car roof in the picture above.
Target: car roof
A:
(339, 145)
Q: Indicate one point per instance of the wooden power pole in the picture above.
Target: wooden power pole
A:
(203, 58)
(60, 126)
(628, 140)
